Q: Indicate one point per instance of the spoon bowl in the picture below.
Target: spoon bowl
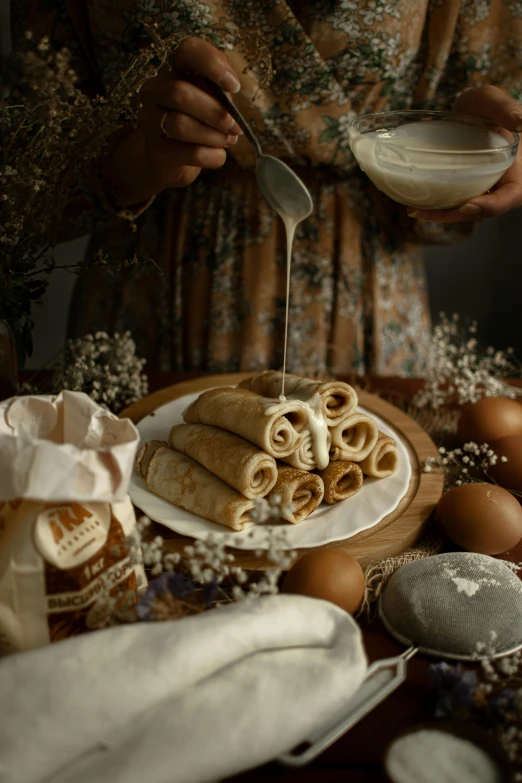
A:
(283, 189)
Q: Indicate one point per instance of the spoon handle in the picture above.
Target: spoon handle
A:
(225, 101)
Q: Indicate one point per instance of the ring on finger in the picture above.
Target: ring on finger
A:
(163, 121)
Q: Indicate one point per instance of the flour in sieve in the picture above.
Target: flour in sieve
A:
(469, 586)
(431, 756)
(465, 585)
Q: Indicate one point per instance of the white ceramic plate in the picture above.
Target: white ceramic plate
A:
(376, 499)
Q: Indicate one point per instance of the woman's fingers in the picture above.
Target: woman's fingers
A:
(505, 196)
(181, 127)
(491, 103)
(442, 216)
(183, 176)
(167, 153)
(182, 96)
(494, 104)
(194, 55)
(504, 199)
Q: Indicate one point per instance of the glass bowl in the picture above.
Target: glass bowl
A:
(432, 159)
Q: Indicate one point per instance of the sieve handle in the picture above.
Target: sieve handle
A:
(382, 678)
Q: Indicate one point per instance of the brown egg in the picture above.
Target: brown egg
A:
(508, 474)
(490, 419)
(330, 574)
(481, 518)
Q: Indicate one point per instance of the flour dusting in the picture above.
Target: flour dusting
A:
(470, 586)
(465, 585)
(432, 756)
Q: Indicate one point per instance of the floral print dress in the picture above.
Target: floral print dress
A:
(358, 297)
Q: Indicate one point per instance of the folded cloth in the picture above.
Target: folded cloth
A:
(188, 701)
(341, 480)
(353, 438)
(183, 482)
(383, 460)
(273, 426)
(298, 490)
(339, 399)
(233, 459)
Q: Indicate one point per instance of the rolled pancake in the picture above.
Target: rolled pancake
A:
(354, 438)
(341, 480)
(145, 453)
(229, 457)
(339, 399)
(183, 482)
(277, 428)
(304, 457)
(383, 459)
(304, 491)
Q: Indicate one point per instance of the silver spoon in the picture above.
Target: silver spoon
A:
(283, 189)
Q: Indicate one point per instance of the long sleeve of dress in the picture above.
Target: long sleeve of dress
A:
(66, 24)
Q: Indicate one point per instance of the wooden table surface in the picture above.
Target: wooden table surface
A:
(357, 757)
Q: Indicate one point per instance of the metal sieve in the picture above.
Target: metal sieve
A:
(447, 604)
(444, 606)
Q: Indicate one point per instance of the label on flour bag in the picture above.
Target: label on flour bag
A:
(63, 569)
(68, 535)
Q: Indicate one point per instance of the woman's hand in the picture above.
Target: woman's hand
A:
(493, 104)
(181, 128)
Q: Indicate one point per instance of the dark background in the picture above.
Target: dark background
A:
(481, 279)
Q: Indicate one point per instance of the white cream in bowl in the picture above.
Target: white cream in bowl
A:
(438, 164)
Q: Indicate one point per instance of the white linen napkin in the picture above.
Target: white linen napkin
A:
(186, 701)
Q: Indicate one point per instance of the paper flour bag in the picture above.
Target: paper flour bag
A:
(65, 518)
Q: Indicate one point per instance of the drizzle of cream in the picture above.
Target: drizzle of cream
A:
(317, 425)
(290, 226)
(289, 206)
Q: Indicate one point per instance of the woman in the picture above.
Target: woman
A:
(358, 299)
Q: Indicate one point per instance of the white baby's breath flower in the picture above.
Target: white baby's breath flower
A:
(458, 373)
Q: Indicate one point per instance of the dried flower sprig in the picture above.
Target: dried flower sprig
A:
(208, 569)
(464, 465)
(460, 372)
(104, 367)
(169, 597)
(50, 133)
(490, 697)
(270, 510)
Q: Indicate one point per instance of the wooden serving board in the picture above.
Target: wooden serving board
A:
(396, 532)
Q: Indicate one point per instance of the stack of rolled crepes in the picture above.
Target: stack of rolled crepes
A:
(239, 444)
(356, 446)
(226, 455)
